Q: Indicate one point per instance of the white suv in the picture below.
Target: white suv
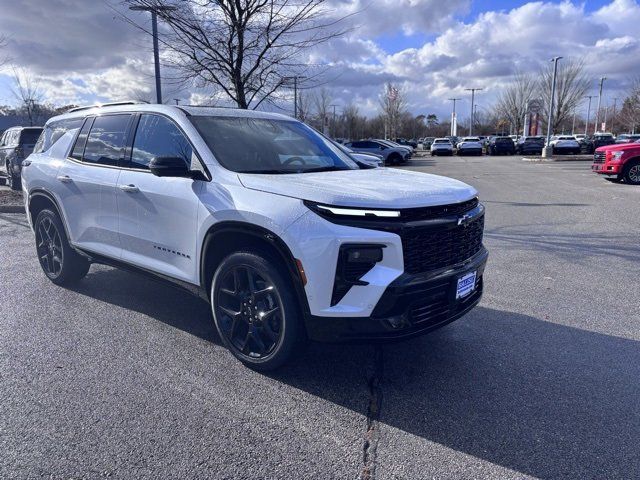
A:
(276, 227)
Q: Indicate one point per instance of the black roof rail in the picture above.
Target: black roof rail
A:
(110, 104)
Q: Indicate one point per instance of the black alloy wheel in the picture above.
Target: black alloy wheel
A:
(49, 247)
(255, 311)
(59, 261)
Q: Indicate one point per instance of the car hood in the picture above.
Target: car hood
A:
(374, 188)
(618, 146)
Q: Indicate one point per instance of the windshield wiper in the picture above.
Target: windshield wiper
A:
(331, 168)
(273, 171)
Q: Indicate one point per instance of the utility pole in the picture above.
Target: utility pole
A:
(573, 125)
(177, 100)
(595, 128)
(454, 120)
(333, 123)
(295, 79)
(547, 151)
(613, 116)
(154, 32)
(473, 94)
(586, 125)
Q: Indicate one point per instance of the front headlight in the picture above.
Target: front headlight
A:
(616, 157)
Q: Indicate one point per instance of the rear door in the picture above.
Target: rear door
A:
(158, 215)
(87, 184)
(6, 146)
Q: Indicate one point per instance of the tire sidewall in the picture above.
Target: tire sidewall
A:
(627, 171)
(292, 331)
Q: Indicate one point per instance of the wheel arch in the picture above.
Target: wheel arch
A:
(226, 237)
(39, 199)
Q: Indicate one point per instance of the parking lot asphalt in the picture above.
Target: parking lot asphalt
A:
(125, 377)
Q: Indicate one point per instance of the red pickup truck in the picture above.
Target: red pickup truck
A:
(618, 162)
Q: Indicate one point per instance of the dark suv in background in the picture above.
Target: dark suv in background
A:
(530, 145)
(501, 146)
(16, 144)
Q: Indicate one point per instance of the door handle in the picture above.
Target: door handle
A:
(129, 188)
(64, 178)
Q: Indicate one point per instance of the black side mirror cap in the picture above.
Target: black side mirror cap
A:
(169, 167)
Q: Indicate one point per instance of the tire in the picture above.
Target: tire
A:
(395, 159)
(632, 173)
(59, 261)
(13, 180)
(247, 288)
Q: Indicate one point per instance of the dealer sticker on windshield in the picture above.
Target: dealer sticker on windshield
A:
(466, 285)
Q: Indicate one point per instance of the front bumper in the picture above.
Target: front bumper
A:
(470, 151)
(607, 168)
(411, 305)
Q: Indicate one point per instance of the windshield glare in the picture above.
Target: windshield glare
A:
(259, 145)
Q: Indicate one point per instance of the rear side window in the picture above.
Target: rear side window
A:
(54, 132)
(81, 141)
(106, 140)
(157, 136)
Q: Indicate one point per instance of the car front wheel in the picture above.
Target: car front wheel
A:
(59, 261)
(255, 312)
(632, 173)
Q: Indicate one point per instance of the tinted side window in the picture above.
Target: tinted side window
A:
(81, 141)
(357, 145)
(54, 131)
(106, 141)
(157, 136)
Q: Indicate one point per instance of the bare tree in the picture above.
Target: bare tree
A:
(572, 84)
(245, 48)
(393, 105)
(304, 106)
(28, 93)
(4, 59)
(630, 112)
(321, 101)
(512, 102)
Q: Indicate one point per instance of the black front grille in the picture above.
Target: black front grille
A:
(599, 157)
(429, 213)
(425, 250)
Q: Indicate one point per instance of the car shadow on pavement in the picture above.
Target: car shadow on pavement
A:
(534, 396)
(537, 397)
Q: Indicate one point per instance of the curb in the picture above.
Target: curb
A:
(11, 208)
(575, 158)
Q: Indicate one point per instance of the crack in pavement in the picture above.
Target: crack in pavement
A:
(373, 416)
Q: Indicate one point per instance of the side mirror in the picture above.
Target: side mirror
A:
(169, 167)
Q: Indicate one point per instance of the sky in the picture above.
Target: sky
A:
(82, 51)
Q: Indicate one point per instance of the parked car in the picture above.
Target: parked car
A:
(426, 142)
(618, 162)
(16, 144)
(410, 143)
(441, 146)
(627, 138)
(501, 146)
(565, 144)
(393, 144)
(364, 160)
(261, 216)
(591, 144)
(530, 145)
(469, 146)
(391, 155)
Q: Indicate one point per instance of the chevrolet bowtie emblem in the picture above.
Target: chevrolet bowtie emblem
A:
(463, 220)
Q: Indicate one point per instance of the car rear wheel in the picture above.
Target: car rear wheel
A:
(59, 261)
(13, 180)
(632, 173)
(255, 312)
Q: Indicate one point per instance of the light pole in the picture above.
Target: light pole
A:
(548, 150)
(573, 125)
(473, 94)
(595, 127)
(154, 31)
(613, 116)
(586, 125)
(454, 121)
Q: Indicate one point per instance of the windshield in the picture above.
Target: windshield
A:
(259, 145)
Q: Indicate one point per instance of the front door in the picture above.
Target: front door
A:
(158, 215)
